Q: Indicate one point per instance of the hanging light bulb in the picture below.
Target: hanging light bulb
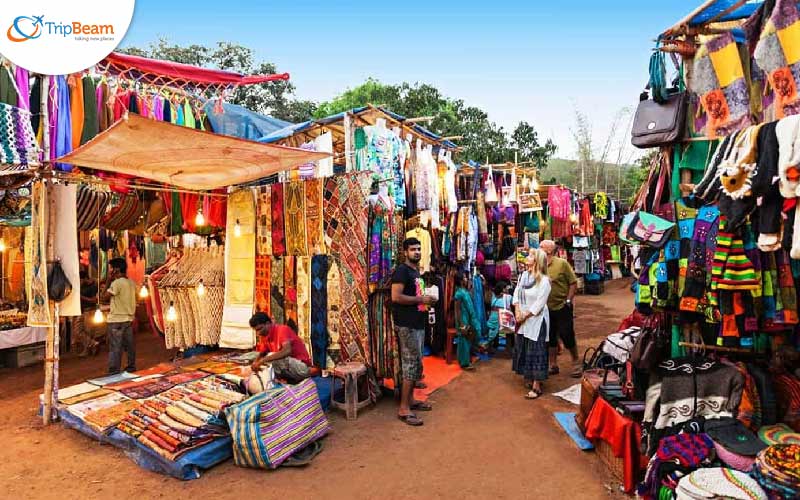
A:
(2, 245)
(201, 289)
(199, 220)
(144, 292)
(98, 316)
(172, 314)
(237, 229)
(534, 184)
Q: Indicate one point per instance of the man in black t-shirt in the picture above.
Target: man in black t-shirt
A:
(410, 314)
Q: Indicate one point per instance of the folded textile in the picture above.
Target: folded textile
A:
(97, 393)
(777, 470)
(111, 379)
(106, 418)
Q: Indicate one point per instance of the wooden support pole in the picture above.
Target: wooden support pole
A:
(50, 340)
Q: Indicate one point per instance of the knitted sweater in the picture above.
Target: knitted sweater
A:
(683, 389)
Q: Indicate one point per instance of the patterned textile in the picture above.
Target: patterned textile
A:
(319, 310)
(385, 347)
(778, 55)
(290, 288)
(36, 261)
(346, 235)
(240, 260)
(269, 427)
(92, 205)
(278, 234)
(124, 215)
(334, 304)
(277, 290)
(106, 418)
(304, 300)
(148, 389)
(264, 215)
(18, 148)
(295, 219)
(777, 470)
(719, 79)
(263, 283)
(314, 209)
(382, 241)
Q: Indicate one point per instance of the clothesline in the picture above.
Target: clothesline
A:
(86, 179)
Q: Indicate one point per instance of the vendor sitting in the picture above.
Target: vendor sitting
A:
(280, 346)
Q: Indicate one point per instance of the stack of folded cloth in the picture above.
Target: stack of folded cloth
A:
(736, 445)
(777, 470)
(182, 418)
(719, 482)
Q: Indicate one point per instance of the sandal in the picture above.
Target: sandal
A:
(532, 395)
(411, 420)
(421, 406)
(469, 368)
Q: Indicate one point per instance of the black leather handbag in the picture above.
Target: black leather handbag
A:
(659, 124)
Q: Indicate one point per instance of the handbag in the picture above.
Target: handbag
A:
(660, 117)
(505, 317)
(648, 350)
(491, 192)
(650, 229)
(591, 381)
(58, 285)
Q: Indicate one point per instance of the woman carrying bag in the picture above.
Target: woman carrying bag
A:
(533, 322)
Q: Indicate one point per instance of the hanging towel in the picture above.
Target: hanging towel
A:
(313, 216)
(240, 255)
(304, 300)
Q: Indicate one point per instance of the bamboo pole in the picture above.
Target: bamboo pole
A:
(50, 340)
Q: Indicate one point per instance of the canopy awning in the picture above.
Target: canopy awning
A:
(184, 157)
(159, 72)
(716, 11)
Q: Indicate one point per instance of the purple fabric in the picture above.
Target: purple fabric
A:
(52, 113)
(63, 123)
(23, 84)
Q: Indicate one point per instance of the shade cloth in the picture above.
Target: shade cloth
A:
(136, 67)
(183, 157)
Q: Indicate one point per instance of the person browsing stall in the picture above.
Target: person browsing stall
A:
(563, 286)
(280, 346)
(121, 293)
(410, 315)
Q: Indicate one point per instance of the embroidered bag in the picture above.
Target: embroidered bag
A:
(650, 229)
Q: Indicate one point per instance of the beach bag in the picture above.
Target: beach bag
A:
(491, 192)
(505, 317)
(270, 427)
(650, 229)
(660, 117)
(58, 285)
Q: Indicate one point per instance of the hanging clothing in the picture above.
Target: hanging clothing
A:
(76, 107)
(91, 122)
(424, 238)
(382, 240)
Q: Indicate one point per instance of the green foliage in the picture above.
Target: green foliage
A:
(481, 138)
(272, 98)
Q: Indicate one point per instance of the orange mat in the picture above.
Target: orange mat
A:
(437, 375)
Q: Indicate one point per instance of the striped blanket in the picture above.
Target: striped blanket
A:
(269, 427)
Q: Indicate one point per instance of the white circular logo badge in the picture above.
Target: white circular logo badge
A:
(59, 37)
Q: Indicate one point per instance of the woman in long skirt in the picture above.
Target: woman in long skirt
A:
(533, 321)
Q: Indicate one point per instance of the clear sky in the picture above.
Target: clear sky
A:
(518, 60)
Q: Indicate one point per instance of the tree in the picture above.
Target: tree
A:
(481, 139)
(272, 98)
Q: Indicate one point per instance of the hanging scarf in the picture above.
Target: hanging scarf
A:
(277, 291)
(264, 216)
(63, 123)
(36, 262)
(296, 241)
(304, 300)
(290, 288)
(263, 287)
(334, 299)
(90, 111)
(313, 213)
(319, 309)
(23, 84)
(278, 237)
(76, 108)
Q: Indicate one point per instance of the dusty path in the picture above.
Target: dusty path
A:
(483, 440)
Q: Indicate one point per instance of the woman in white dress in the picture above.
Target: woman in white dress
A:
(533, 323)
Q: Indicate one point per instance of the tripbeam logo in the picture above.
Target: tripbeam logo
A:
(25, 28)
(61, 37)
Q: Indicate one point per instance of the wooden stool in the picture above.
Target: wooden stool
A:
(349, 373)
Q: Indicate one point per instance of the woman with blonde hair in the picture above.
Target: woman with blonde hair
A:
(533, 321)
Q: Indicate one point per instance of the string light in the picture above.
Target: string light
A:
(2, 245)
(144, 292)
(172, 314)
(199, 219)
(237, 229)
(99, 317)
(201, 289)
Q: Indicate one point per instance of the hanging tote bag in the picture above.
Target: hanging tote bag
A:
(491, 192)
(506, 319)
(270, 427)
(650, 229)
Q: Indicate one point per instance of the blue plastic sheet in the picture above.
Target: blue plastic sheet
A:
(721, 6)
(237, 121)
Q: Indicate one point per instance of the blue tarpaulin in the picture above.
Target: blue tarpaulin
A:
(237, 121)
(717, 7)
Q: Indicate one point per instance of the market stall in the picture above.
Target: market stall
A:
(711, 382)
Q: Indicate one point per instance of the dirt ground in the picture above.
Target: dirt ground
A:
(482, 440)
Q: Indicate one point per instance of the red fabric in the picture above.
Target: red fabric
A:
(279, 335)
(215, 209)
(634, 319)
(159, 69)
(623, 434)
(189, 210)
